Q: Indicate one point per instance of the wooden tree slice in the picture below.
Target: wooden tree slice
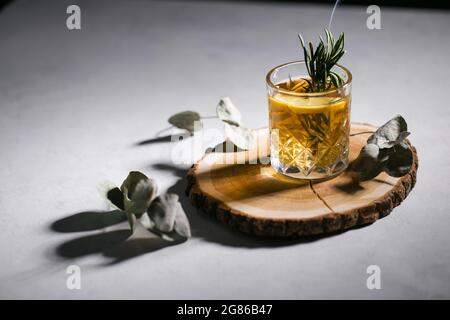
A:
(242, 190)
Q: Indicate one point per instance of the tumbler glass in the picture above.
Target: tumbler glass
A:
(309, 132)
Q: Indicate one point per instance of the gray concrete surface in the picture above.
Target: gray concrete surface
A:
(75, 103)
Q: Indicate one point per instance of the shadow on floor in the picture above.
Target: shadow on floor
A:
(4, 4)
(95, 243)
(119, 245)
(167, 138)
(88, 221)
(136, 247)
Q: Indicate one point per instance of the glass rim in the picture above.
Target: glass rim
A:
(306, 94)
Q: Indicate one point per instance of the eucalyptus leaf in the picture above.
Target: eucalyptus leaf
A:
(400, 161)
(138, 191)
(162, 211)
(385, 144)
(391, 133)
(115, 195)
(131, 181)
(385, 151)
(182, 226)
(168, 216)
(165, 216)
(367, 166)
(188, 120)
(242, 137)
(110, 192)
(140, 199)
(228, 113)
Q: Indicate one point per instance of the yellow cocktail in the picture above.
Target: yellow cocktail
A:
(309, 132)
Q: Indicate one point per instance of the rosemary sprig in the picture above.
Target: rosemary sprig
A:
(319, 62)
